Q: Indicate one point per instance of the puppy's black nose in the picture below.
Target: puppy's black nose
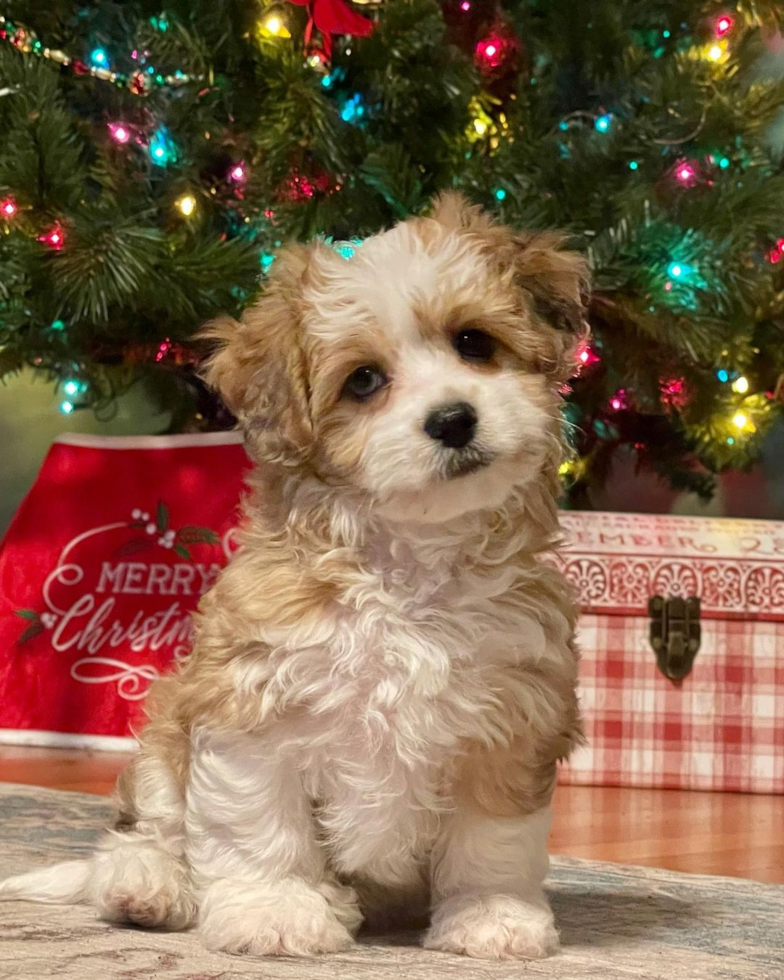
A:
(454, 425)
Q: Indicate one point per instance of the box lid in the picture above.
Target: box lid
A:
(617, 561)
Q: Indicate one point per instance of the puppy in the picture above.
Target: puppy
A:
(384, 676)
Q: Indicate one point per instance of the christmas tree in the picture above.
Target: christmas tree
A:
(153, 160)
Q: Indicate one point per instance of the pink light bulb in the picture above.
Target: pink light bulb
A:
(9, 208)
(238, 172)
(490, 50)
(120, 133)
(465, 6)
(685, 173)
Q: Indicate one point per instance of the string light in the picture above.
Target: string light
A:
(99, 58)
(186, 205)
(633, 165)
(677, 270)
(724, 25)
(500, 194)
(119, 132)
(723, 376)
(465, 6)
(740, 420)
(715, 52)
(54, 238)
(71, 387)
(8, 207)
(603, 123)
(685, 173)
(489, 52)
(162, 149)
(273, 25)
(740, 385)
(237, 172)
(66, 407)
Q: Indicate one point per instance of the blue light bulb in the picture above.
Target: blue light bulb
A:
(602, 124)
(723, 376)
(99, 58)
(500, 194)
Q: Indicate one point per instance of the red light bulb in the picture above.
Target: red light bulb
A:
(724, 25)
(8, 208)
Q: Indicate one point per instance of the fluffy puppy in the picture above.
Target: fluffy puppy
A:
(384, 676)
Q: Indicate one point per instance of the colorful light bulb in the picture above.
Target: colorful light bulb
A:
(66, 407)
(715, 52)
(186, 205)
(723, 376)
(603, 123)
(500, 194)
(237, 172)
(54, 238)
(678, 270)
(273, 25)
(685, 173)
(724, 25)
(71, 387)
(99, 58)
(119, 132)
(162, 149)
(740, 420)
(8, 207)
(740, 385)
(489, 52)
(465, 6)
(633, 165)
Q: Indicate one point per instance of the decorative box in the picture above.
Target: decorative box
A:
(101, 567)
(716, 723)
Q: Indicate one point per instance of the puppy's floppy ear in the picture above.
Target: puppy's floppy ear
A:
(557, 279)
(260, 365)
(558, 283)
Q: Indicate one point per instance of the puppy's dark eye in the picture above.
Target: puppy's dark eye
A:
(474, 345)
(364, 382)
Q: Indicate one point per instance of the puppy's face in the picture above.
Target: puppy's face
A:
(423, 371)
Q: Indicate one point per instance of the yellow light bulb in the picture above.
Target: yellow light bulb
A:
(740, 385)
(480, 126)
(186, 204)
(740, 420)
(273, 26)
(715, 52)
(565, 468)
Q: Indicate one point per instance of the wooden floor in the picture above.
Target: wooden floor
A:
(703, 833)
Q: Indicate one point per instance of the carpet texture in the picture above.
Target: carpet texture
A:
(616, 923)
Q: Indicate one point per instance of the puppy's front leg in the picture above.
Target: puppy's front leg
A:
(264, 887)
(488, 867)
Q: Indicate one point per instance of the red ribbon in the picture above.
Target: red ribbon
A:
(333, 17)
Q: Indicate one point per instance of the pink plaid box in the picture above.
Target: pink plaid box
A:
(722, 726)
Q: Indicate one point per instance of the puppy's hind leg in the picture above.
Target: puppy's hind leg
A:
(139, 873)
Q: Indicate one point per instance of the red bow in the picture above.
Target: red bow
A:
(333, 17)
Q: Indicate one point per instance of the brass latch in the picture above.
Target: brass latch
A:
(675, 634)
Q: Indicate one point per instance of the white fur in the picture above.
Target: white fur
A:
(363, 712)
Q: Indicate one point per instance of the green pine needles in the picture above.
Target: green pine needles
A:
(155, 157)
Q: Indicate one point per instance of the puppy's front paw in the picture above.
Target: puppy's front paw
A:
(287, 918)
(493, 927)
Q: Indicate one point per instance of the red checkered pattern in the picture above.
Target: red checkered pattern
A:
(722, 727)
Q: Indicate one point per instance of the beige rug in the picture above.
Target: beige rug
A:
(616, 923)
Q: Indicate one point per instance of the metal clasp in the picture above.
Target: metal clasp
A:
(675, 634)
